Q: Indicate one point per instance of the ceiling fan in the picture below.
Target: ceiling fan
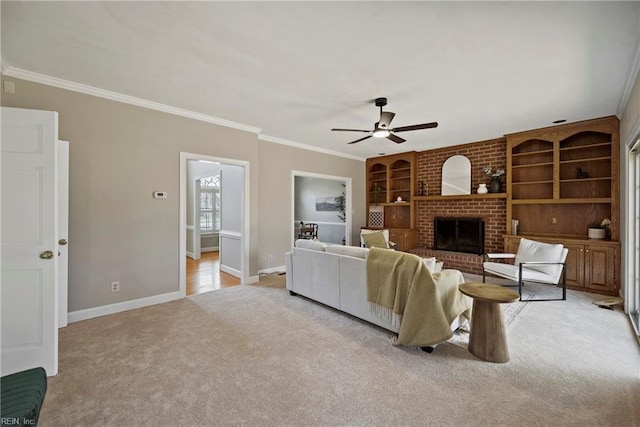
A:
(381, 128)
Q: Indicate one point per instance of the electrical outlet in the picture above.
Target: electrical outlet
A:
(115, 286)
(269, 257)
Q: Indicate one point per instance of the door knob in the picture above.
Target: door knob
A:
(63, 241)
(46, 255)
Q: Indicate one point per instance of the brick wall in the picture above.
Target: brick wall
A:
(492, 211)
(484, 153)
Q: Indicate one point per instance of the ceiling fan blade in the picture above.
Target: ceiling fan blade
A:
(385, 119)
(358, 140)
(351, 130)
(396, 138)
(415, 127)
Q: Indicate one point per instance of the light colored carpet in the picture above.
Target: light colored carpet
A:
(254, 355)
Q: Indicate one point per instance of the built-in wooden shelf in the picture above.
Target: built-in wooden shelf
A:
(561, 204)
(565, 201)
(531, 165)
(463, 196)
(565, 237)
(586, 159)
(404, 203)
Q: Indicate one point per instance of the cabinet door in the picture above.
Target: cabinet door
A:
(599, 268)
(575, 265)
(511, 245)
(399, 238)
(404, 239)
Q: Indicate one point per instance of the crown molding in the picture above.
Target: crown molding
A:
(282, 141)
(139, 102)
(634, 74)
(114, 96)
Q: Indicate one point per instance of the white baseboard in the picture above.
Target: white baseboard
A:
(90, 313)
(190, 255)
(254, 279)
(279, 269)
(231, 271)
(210, 249)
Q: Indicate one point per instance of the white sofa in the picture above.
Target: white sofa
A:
(336, 276)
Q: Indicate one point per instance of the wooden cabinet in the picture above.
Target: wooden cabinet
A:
(591, 265)
(575, 265)
(511, 245)
(562, 179)
(404, 238)
(390, 190)
(600, 268)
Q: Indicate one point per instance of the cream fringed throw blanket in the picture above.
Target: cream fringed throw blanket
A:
(401, 288)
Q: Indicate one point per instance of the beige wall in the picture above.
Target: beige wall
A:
(276, 163)
(631, 116)
(630, 119)
(120, 154)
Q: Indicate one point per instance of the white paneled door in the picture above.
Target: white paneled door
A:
(63, 232)
(29, 240)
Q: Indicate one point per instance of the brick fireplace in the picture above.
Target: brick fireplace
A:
(492, 210)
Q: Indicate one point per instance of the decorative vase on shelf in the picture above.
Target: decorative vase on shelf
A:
(482, 189)
(597, 233)
(494, 185)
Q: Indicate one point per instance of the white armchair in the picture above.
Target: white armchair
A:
(535, 262)
(377, 238)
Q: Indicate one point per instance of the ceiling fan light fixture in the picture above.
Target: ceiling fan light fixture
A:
(382, 128)
(381, 133)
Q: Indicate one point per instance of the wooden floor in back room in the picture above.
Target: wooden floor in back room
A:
(204, 275)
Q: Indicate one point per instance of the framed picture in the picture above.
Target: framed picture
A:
(328, 204)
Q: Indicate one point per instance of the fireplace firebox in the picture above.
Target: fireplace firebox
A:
(459, 235)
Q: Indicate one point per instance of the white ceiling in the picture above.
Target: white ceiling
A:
(297, 69)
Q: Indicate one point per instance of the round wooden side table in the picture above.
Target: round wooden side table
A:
(488, 338)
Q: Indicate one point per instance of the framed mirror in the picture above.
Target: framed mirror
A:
(456, 176)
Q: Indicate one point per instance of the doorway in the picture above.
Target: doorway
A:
(204, 275)
(223, 259)
(325, 202)
(204, 179)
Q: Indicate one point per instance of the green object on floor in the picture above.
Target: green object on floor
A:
(22, 397)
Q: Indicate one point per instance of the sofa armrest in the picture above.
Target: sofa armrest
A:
(289, 270)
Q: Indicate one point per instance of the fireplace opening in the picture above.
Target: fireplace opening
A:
(459, 235)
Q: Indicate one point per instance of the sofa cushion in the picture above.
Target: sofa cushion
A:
(375, 239)
(532, 251)
(313, 245)
(511, 271)
(353, 251)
